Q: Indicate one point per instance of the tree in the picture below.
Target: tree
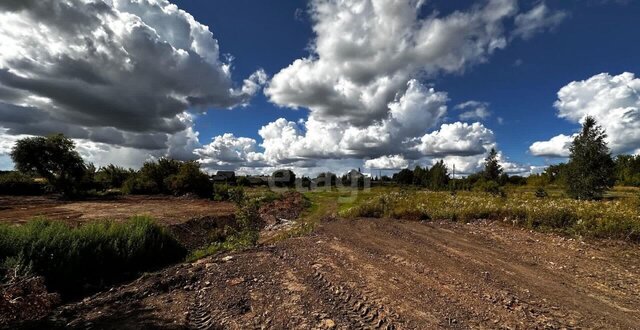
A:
(439, 176)
(420, 176)
(492, 169)
(591, 169)
(405, 176)
(326, 179)
(155, 174)
(112, 176)
(628, 170)
(53, 158)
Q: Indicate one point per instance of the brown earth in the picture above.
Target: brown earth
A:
(165, 209)
(389, 274)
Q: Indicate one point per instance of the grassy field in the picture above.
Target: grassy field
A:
(76, 259)
(617, 216)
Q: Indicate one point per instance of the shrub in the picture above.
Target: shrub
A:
(112, 177)
(15, 183)
(541, 193)
(487, 186)
(138, 184)
(189, 179)
(76, 260)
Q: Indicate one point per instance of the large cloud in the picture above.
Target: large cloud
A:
(365, 82)
(366, 51)
(116, 72)
(614, 101)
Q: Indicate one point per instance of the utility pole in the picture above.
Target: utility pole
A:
(454, 176)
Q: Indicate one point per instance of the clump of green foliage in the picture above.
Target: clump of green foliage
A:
(541, 193)
(16, 183)
(112, 177)
(225, 192)
(75, 260)
(170, 177)
(618, 219)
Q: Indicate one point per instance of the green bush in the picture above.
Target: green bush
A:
(488, 186)
(189, 179)
(78, 260)
(541, 193)
(15, 183)
(112, 177)
(168, 176)
(138, 184)
(225, 192)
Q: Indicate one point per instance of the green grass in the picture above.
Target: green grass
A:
(241, 240)
(78, 260)
(618, 216)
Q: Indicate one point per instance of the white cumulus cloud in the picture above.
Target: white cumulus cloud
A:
(392, 162)
(613, 100)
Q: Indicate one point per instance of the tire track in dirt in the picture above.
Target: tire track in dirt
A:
(537, 293)
(363, 313)
(200, 316)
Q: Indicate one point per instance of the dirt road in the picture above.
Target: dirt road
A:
(387, 274)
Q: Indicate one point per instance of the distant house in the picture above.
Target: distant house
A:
(354, 174)
(224, 176)
(257, 180)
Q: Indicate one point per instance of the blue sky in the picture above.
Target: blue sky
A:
(520, 82)
(260, 115)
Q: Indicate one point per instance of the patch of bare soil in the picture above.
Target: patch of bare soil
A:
(386, 274)
(167, 210)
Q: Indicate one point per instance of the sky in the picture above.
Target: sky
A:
(320, 85)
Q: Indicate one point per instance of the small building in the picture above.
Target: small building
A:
(224, 176)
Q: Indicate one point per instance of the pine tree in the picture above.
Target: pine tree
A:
(591, 169)
(492, 169)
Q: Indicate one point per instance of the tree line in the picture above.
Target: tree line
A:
(589, 173)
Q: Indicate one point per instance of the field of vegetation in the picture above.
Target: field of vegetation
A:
(617, 217)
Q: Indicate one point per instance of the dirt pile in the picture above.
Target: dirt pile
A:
(283, 211)
(25, 299)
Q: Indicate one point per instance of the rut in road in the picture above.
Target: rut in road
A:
(362, 312)
(200, 315)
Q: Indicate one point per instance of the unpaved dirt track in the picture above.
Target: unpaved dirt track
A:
(387, 274)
